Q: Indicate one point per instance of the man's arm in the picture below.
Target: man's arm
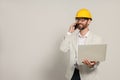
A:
(65, 45)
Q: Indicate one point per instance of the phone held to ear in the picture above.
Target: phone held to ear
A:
(76, 26)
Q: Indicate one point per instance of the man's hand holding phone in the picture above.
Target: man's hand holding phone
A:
(73, 27)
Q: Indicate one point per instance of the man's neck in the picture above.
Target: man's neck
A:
(83, 32)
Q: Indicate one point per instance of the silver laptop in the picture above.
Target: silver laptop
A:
(92, 52)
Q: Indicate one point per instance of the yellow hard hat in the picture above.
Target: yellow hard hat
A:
(83, 13)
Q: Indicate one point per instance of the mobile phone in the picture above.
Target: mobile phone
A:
(76, 26)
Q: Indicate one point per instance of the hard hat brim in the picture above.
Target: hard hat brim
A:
(83, 18)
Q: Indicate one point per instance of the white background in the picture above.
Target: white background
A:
(31, 32)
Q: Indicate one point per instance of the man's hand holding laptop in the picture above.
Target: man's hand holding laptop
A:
(89, 63)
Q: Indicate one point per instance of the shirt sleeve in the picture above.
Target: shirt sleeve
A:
(65, 44)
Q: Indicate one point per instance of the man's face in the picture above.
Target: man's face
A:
(82, 23)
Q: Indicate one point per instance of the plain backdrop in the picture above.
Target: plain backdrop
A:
(31, 32)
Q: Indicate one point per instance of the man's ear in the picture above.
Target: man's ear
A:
(89, 21)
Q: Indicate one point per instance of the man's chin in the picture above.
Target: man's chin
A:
(81, 28)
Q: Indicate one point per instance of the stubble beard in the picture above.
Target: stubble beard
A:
(82, 27)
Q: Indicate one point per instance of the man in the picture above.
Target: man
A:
(79, 34)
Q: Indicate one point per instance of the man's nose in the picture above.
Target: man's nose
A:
(79, 21)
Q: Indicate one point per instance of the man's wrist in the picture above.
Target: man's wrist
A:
(69, 33)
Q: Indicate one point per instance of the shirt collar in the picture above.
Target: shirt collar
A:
(85, 36)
